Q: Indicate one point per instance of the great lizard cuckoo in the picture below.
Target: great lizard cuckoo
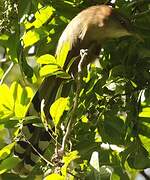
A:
(88, 30)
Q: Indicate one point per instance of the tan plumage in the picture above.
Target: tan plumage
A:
(92, 27)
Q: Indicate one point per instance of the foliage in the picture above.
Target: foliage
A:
(110, 131)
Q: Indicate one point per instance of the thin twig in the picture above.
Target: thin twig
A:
(45, 122)
(7, 71)
(75, 105)
(41, 156)
(141, 14)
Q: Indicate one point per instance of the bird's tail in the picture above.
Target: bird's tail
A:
(34, 140)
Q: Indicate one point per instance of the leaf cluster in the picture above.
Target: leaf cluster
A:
(110, 130)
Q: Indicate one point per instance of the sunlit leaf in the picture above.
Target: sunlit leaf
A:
(62, 54)
(8, 164)
(33, 36)
(6, 101)
(14, 100)
(49, 69)
(84, 119)
(145, 112)
(115, 177)
(42, 15)
(67, 160)
(30, 38)
(1, 73)
(21, 97)
(6, 151)
(63, 74)
(54, 177)
(94, 162)
(57, 109)
(4, 37)
(46, 59)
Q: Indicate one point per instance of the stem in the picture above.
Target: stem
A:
(41, 156)
(83, 54)
(7, 71)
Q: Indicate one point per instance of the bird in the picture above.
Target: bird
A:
(88, 30)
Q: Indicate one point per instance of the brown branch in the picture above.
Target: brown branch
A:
(83, 54)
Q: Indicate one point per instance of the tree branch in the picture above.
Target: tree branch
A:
(83, 54)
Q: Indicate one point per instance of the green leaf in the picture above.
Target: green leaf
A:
(54, 177)
(146, 142)
(46, 59)
(22, 97)
(42, 15)
(6, 102)
(139, 159)
(62, 54)
(8, 164)
(14, 100)
(6, 151)
(28, 71)
(116, 71)
(144, 53)
(57, 109)
(33, 36)
(144, 129)
(13, 45)
(114, 130)
(67, 160)
(63, 74)
(30, 38)
(4, 37)
(145, 112)
(49, 70)
(115, 177)
(4, 136)
(1, 73)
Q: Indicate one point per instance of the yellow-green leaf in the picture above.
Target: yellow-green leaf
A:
(49, 69)
(67, 160)
(4, 152)
(41, 16)
(4, 37)
(54, 177)
(145, 112)
(57, 109)
(6, 102)
(22, 97)
(30, 38)
(1, 73)
(14, 100)
(62, 54)
(46, 59)
(63, 75)
(8, 164)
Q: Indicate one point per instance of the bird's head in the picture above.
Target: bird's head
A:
(117, 25)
